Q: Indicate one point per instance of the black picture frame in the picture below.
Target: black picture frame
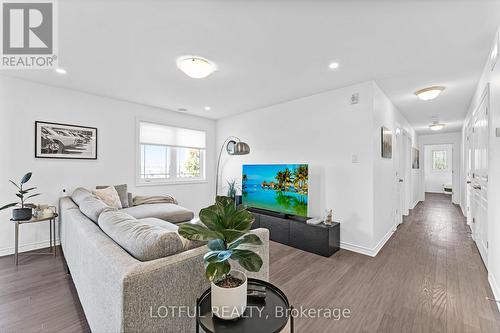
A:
(65, 141)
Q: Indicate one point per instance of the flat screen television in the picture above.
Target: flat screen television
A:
(279, 188)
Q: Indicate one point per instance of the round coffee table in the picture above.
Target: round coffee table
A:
(269, 316)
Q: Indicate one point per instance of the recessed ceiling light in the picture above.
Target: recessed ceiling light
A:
(333, 65)
(207, 108)
(195, 66)
(61, 71)
(429, 93)
(436, 126)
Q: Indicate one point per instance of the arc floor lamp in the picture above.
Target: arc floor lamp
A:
(234, 146)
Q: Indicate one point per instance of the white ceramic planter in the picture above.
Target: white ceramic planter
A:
(229, 303)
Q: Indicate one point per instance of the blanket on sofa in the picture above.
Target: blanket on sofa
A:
(153, 199)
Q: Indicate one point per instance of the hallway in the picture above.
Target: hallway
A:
(427, 278)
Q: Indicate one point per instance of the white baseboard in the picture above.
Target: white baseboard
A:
(415, 204)
(372, 252)
(495, 288)
(26, 247)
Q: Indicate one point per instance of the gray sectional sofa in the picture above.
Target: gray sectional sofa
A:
(126, 268)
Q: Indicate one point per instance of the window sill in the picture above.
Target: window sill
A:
(171, 182)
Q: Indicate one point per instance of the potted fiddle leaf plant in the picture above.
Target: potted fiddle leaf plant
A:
(25, 212)
(226, 228)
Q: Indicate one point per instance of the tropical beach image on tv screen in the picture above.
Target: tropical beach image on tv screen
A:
(277, 187)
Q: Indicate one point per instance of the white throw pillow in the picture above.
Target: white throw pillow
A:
(109, 196)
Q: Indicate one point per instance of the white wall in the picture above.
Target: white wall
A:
(454, 138)
(435, 179)
(22, 103)
(339, 141)
(490, 79)
(385, 196)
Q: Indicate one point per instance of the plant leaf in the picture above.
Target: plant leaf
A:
(230, 234)
(249, 260)
(216, 270)
(247, 239)
(210, 218)
(26, 178)
(9, 205)
(27, 190)
(216, 245)
(217, 256)
(19, 195)
(14, 184)
(198, 232)
(33, 195)
(242, 220)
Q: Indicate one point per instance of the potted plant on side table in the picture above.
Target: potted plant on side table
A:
(26, 211)
(226, 228)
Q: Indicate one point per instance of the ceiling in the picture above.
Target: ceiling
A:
(273, 51)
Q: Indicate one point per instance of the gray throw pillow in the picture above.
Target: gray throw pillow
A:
(80, 194)
(122, 193)
(93, 207)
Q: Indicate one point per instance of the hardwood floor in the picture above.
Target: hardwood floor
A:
(427, 278)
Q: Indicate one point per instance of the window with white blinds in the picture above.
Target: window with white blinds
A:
(170, 154)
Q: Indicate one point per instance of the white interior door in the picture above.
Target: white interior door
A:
(479, 181)
(468, 172)
(407, 174)
(399, 166)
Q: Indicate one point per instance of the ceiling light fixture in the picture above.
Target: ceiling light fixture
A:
(333, 65)
(61, 71)
(207, 108)
(429, 93)
(195, 66)
(436, 126)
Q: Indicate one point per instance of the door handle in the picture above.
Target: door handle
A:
(400, 180)
(468, 182)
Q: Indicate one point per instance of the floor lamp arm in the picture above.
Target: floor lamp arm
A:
(218, 162)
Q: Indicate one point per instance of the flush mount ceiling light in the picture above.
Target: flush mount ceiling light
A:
(195, 66)
(61, 71)
(429, 93)
(333, 65)
(436, 126)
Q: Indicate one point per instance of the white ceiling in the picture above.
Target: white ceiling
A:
(272, 51)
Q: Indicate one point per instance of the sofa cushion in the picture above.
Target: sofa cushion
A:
(92, 207)
(79, 194)
(109, 196)
(165, 211)
(145, 239)
(122, 193)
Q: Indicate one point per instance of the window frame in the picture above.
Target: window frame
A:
(447, 167)
(139, 181)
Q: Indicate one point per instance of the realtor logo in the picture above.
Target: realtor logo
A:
(28, 32)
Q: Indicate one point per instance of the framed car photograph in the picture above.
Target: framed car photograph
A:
(54, 140)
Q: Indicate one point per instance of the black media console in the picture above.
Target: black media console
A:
(295, 232)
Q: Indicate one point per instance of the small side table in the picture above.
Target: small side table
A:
(272, 316)
(52, 231)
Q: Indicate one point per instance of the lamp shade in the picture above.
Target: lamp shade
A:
(241, 148)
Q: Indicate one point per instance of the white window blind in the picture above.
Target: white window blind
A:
(157, 134)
